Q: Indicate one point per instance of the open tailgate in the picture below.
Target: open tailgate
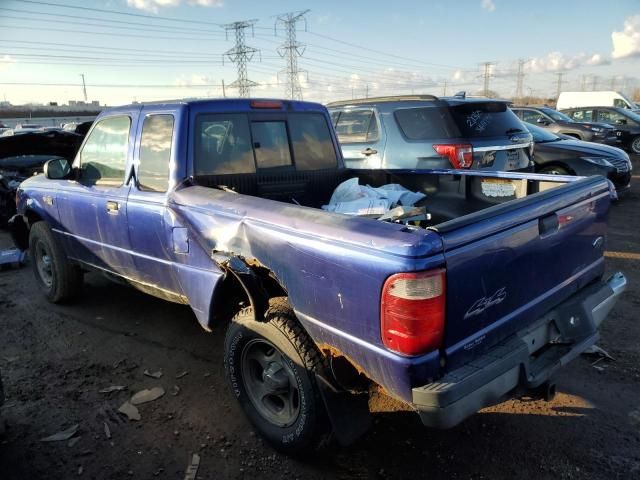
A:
(509, 264)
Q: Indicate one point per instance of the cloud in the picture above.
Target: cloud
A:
(627, 42)
(488, 5)
(195, 80)
(597, 59)
(6, 62)
(154, 6)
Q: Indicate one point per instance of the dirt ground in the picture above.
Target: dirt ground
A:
(56, 359)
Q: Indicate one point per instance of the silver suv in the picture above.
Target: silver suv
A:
(427, 132)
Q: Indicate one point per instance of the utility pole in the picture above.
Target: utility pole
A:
(84, 88)
(224, 93)
(366, 95)
(487, 76)
(613, 82)
(560, 82)
(520, 79)
(444, 89)
(292, 49)
(596, 79)
(241, 54)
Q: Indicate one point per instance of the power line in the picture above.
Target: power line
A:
(241, 54)
(115, 12)
(292, 49)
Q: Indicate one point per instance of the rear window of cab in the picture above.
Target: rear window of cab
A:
(233, 143)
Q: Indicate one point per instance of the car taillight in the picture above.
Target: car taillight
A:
(412, 311)
(266, 104)
(460, 155)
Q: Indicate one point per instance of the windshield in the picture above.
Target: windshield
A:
(629, 114)
(561, 117)
(540, 135)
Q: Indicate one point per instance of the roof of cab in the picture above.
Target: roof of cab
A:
(222, 102)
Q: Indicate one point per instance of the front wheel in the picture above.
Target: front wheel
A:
(58, 278)
(271, 367)
(635, 145)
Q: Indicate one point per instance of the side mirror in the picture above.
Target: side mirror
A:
(542, 121)
(621, 121)
(57, 169)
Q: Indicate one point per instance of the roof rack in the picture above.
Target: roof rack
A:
(395, 98)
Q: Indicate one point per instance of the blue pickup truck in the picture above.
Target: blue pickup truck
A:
(216, 204)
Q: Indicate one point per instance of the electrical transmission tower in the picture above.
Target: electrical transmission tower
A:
(560, 82)
(241, 54)
(520, 79)
(583, 83)
(487, 76)
(292, 49)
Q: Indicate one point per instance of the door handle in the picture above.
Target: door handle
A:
(369, 151)
(113, 207)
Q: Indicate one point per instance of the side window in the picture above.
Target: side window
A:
(104, 155)
(155, 153)
(531, 116)
(618, 102)
(223, 144)
(609, 116)
(271, 144)
(582, 115)
(357, 126)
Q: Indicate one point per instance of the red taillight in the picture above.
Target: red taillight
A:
(412, 311)
(266, 104)
(460, 155)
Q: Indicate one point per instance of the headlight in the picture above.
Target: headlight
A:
(595, 129)
(598, 161)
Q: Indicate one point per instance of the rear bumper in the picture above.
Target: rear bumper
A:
(526, 360)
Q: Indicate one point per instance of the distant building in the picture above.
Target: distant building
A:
(81, 105)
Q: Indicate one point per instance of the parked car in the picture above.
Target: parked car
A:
(625, 120)
(562, 155)
(28, 126)
(423, 131)
(216, 204)
(558, 122)
(590, 99)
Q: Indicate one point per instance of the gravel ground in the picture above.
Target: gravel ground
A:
(56, 359)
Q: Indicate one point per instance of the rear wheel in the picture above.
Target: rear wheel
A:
(56, 276)
(271, 367)
(635, 145)
(555, 170)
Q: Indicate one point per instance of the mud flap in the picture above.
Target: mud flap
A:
(349, 413)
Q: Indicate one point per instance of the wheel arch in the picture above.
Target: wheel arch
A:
(556, 163)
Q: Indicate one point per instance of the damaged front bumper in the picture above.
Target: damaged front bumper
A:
(525, 360)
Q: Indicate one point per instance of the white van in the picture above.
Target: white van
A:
(594, 99)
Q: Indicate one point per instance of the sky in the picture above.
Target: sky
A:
(139, 50)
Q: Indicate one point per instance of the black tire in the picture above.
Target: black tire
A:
(635, 145)
(58, 278)
(298, 360)
(553, 170)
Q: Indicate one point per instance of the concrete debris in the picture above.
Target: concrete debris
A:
(63, 435)
(147, 395)
(192, 468)
(596, 350)
(113, 388)
(155, 375)
(130, 411)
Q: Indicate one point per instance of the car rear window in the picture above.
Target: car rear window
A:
(485, 119)
(425, 123)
